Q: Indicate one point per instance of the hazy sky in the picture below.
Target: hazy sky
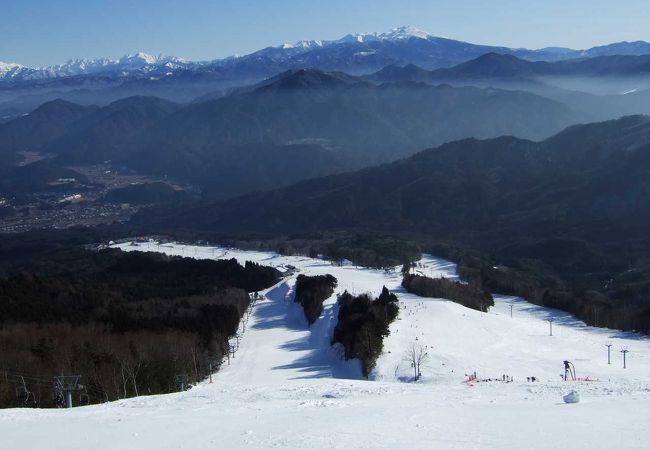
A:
(44, 32)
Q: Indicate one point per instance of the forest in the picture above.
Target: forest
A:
(127, 323)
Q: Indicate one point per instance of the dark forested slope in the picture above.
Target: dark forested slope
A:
(582, 174)
(127, 323)
(46, 123)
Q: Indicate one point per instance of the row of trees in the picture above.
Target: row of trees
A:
(364, 248)
(311, 292)
(363, 323)
(469, 295)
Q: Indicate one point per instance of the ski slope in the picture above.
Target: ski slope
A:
(287, 387)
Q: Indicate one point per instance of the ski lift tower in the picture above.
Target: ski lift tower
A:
(65, 385)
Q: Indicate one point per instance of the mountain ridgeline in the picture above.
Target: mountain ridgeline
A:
(584, 172)
(604, 87)
(301, 124)
(306, 123)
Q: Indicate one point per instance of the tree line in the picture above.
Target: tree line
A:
(469, 295)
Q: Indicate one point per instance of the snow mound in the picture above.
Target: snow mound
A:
(572, 397)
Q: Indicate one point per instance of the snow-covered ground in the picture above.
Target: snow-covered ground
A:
(287, 387)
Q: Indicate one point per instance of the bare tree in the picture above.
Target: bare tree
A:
(416, 355)
(130, 364)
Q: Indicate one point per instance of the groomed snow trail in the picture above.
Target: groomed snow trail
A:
(287, 387)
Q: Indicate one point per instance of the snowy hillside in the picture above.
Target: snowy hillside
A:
(287, 387)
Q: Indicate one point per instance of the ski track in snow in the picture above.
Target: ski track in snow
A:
(287, 387)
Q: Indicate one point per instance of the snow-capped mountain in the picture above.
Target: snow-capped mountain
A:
(137, 62)
(9, 70)
(357, 53)
(101, 81)
(395, 34)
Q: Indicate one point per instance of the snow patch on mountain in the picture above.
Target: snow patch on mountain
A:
(395, 34)
(305, 45)
(139, 61)
(9, 69)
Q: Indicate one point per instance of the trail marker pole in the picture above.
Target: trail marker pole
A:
(511, 311)
(550, 325)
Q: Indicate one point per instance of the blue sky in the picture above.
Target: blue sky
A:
(43, 32)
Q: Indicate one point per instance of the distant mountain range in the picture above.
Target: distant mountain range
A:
(305, 123)
(503, 65)
(300, 124)
(355, 53)
(605, 87)
(104, 80)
